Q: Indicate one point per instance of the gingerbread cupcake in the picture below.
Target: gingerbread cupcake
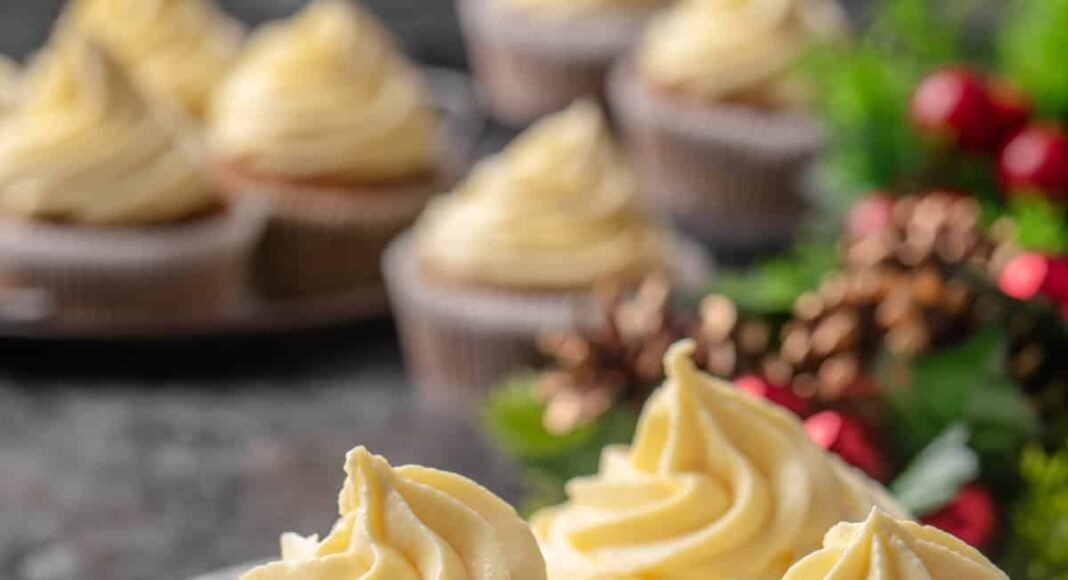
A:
(326, 121)
(715, 115)
(177, 50)
(515, 251)
(108, 212)
(534, 57)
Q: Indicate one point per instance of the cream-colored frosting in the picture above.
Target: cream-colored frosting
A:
(84, 146)
(717, 49)
(411, 523)
(557, 209)
(716, 484)
(9, 86)
(177, 49)
(573, 8)
(882, 548)
(326, 95)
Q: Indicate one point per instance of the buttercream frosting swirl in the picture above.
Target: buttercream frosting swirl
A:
(411, 523)
(9, 86)
(177, 49)
(557, 209)
(719, 49)
(882, 548)
(84, 146)
(716, 484)
(326, 95)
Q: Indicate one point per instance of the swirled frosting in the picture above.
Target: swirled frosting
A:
(411, 523)
(326, 95)
(719, 49)
(716, 484)
(9, 86)
(882, 548)
(556, 209)
(84, 146)
(177, 49)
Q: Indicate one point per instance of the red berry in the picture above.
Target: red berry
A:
(870, 215)
(953, 105)
(1036, 160)
(763, 389)
(1010, 107)
(848, 438)
(1031, 273)
(972, 516)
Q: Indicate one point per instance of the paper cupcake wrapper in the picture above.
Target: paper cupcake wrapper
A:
(528, 67)
(72, 276)
(322, 240)
(460, 341)
(728, 174)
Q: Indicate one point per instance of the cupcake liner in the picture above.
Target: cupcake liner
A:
(461, 340)
(528, 67)
(73, 276)
(728, 174)
(324, 240)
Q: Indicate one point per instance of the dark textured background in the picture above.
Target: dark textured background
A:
(125, 461)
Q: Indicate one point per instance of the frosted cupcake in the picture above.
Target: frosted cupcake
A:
(108, 210)
(515, 251)
(715, 116)
(411, 523)
(716, 484)
(323, 118)
(178, 50)
(889, 549)
(9, 86)
(534, 57)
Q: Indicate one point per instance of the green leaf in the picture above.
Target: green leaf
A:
(1038, 529)
(774, 285)
(513, 416)
(1041, 224)
(937, 473)
(1033, 46)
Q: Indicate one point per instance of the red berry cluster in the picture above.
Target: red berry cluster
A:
(963, 109)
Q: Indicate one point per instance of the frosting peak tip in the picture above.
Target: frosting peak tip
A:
(679, 359)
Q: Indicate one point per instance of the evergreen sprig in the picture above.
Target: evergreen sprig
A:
(1038, 546)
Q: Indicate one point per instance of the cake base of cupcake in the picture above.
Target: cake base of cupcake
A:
(323, 240)
(530, 66)
(74, 276)
(728, 174)
(460, 340)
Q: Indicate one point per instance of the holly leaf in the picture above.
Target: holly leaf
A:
(935, 476)
(1041, 224)
(772, 286)
(1033, 46)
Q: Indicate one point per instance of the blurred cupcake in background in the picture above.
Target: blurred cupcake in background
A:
(106, 208)
(715, 115)
(534, 57)
(327, 121)
(177, 50)
(515, 251)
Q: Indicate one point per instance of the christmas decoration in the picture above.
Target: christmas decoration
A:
(1035, 161)
(952, 105)
(971, 516)
(850, 440)
(1031, 274)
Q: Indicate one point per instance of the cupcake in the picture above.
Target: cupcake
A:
(106, 209)
(715, 116)
(716, 484)
(515, 251)
(9, 87)
(534, 57)
(178, 50)
(325, 120)
(889, 549)
(411, 523)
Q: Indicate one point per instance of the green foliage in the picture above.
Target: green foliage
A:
(937, 473)
(1041, 224)
(969, 385)
(1038, 546)
(772, 286)
(513, 418)
(1033, 47)
(865, 90)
